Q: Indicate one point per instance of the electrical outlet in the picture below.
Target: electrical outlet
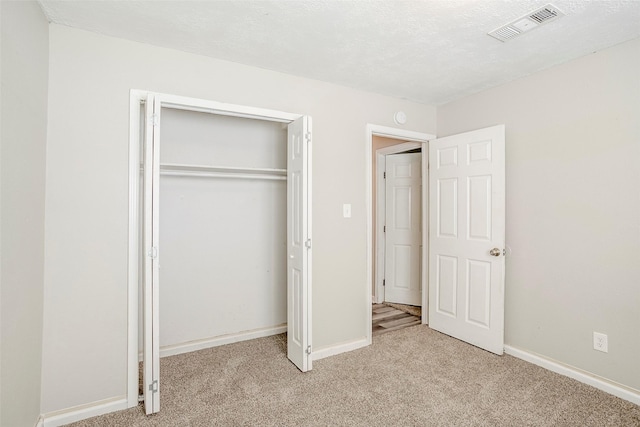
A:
(600, 342)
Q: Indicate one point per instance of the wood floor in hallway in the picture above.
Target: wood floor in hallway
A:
(386, 318)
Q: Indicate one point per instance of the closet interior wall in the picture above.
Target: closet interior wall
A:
(222, 245)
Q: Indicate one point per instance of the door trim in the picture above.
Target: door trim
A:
(133, 274)
(406, 135)
(134, 218)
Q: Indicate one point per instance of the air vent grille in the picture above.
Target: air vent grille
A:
(505, 33)
(526, 23)
(544, 14)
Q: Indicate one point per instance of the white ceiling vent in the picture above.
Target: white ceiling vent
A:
(526, 23)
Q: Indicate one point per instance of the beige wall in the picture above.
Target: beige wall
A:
(573, 207)
(22, 153)
(85, 332)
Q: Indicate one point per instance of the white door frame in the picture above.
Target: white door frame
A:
(133, 270)
(413, 137)
(381, 202)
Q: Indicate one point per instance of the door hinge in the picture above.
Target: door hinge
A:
(308, 351)
(154, 119)
(153, 253)
(308, 244)
(384, 175)
(307, 136)
(153, 387)
(384, 282)
(384, 228)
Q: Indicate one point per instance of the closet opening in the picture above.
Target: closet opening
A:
(223, 230)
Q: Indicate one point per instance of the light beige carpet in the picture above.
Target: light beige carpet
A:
(410, 377)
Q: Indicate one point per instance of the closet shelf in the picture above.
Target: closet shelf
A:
(222, 171)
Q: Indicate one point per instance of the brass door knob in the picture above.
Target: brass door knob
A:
(495, 252)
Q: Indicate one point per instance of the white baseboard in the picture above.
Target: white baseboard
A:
(82, 412)
(40, 422)
(585, 377)
(187, 347)
(339, 348)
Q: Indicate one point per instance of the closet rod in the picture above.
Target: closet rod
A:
(221, 169)
(172, 169)
(223, 175)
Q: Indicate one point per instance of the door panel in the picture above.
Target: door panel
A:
(151, 342)
(479, 213)
(467, 213)
(478, 291)
(446, 288)
(447, 214)
(403, 237)
(299, 244)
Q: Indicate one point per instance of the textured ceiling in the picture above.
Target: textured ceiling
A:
(430, 51)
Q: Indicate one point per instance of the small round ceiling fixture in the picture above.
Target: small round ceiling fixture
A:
(400, 118)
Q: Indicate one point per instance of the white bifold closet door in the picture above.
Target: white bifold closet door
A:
(150, 294)
(299, 244)
(227, 214)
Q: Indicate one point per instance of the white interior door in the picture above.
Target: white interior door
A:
(403, 235)
(151, 341)
(467, 237)
(299, 243)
